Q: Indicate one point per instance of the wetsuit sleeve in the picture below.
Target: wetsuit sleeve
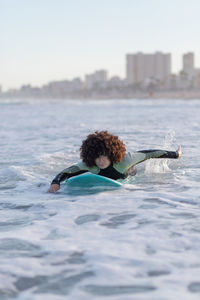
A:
(134, 158)
(159, 154)
(67, 173)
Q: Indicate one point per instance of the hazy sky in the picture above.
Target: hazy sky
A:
(45, 40)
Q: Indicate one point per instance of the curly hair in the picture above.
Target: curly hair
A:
(102, 143)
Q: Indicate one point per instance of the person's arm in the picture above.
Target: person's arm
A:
(135, 158)
(162, 153)
(66, 173)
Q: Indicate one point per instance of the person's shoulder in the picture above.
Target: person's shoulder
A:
(125, 161)
(132, 158)
(83, 166)
(129, 157)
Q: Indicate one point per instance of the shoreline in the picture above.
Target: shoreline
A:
(173, 95)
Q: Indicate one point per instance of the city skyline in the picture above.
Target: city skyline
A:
(43, 41)
(145, 60)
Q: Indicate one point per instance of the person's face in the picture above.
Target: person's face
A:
(102, 161)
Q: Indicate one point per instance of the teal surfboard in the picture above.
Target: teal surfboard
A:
(88, 180)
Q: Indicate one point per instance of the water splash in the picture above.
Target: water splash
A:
(161, 165)
(169, 140)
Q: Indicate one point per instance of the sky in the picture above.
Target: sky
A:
(47, 40)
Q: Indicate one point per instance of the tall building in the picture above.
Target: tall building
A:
(197, 78)
(141, 67)
(97, 78)
(188, 64)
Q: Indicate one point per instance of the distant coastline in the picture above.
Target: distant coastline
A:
(98, 95)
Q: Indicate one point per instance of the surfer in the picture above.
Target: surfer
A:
(105, 154)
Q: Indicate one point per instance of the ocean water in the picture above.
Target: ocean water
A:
(141, 241)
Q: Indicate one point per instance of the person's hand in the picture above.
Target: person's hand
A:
(179, 151)
(54, 187)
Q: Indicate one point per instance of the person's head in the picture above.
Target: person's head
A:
(102, 149)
